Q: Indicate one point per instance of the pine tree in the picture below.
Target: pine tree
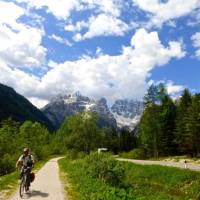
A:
(126, 140)
(167, 125)
(149, 130)
(152, 126)
(193, 127)
(152, 95)
(181, 120)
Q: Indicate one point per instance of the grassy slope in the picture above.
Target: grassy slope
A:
(9, 183)
(142, 183)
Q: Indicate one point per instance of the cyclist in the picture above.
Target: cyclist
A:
(26, 161)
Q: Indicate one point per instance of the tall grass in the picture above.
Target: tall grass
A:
(138, 182)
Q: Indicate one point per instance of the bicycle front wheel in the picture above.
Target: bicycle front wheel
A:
(22, 188)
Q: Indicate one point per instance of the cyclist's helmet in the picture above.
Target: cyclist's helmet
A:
(26, 150)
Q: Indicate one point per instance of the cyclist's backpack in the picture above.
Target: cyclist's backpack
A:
(30, 162)
(32, 175)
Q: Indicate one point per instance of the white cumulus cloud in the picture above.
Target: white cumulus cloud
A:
(100, 25)
(112, 7)
(40, 103)
(196, 43)
(164, 11)
(121, 76)
(61, 9)
(20, 43)
(173, 89)
(10, 13)
(105, 25)
(24, 83)
(105, 21)
(60, 40)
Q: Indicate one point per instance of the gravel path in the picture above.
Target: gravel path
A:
(195, 167)
(47, 185)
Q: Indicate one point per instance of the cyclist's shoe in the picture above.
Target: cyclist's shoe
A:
(27, 189)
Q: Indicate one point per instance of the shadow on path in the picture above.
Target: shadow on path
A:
(39, 193)
(36, 193)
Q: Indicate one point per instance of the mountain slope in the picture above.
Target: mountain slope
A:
(127, 113)
(68, 105)
(19, 108)
(123, 113)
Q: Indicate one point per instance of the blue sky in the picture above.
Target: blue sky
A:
(102, 48)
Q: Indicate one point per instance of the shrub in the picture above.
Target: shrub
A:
(7, 164)
(40, 153)
(138, 153)
(105, 168)
(74, 154)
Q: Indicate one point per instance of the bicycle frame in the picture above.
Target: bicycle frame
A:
(24, 182)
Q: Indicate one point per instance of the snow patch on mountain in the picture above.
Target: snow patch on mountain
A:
(63, 106)
(122, 114)
(124, 122)
(127, 113)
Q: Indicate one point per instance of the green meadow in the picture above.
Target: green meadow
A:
(94, 178)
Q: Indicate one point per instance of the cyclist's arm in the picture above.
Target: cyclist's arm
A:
(19, 162)
(32, 159)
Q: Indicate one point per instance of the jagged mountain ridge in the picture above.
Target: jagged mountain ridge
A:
(127, 112)
(19, 108)
(123, 113)
(67, 105)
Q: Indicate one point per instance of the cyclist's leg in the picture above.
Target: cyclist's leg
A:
(21, 172)
(28, 177)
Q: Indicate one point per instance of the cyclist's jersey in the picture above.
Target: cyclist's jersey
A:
(26, 160)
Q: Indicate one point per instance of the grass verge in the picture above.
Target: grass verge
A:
(139, 183)
(69, 190)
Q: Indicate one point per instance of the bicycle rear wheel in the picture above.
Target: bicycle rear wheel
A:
(22, 188)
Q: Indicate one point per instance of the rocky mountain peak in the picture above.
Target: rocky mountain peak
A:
(102, 101)
(123, 113)
(127, 112)
(66, 105)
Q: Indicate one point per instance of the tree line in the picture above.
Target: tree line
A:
(78, 133)
(15, 136)
(170, 127)
(81, 133)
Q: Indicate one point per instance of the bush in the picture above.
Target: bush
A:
(86, 187)
(41, 153)
(141, 182)
(7, 164)
(74, 154)
(138, 153)
(105, 168)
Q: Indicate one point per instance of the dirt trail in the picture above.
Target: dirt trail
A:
(190, 166)
(47, 185)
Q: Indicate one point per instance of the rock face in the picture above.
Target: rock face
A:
(123, 113)
(68, 105)
(106, 117)
(19, 108)
(127, 113)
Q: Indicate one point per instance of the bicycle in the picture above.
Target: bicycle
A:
(25, 181)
